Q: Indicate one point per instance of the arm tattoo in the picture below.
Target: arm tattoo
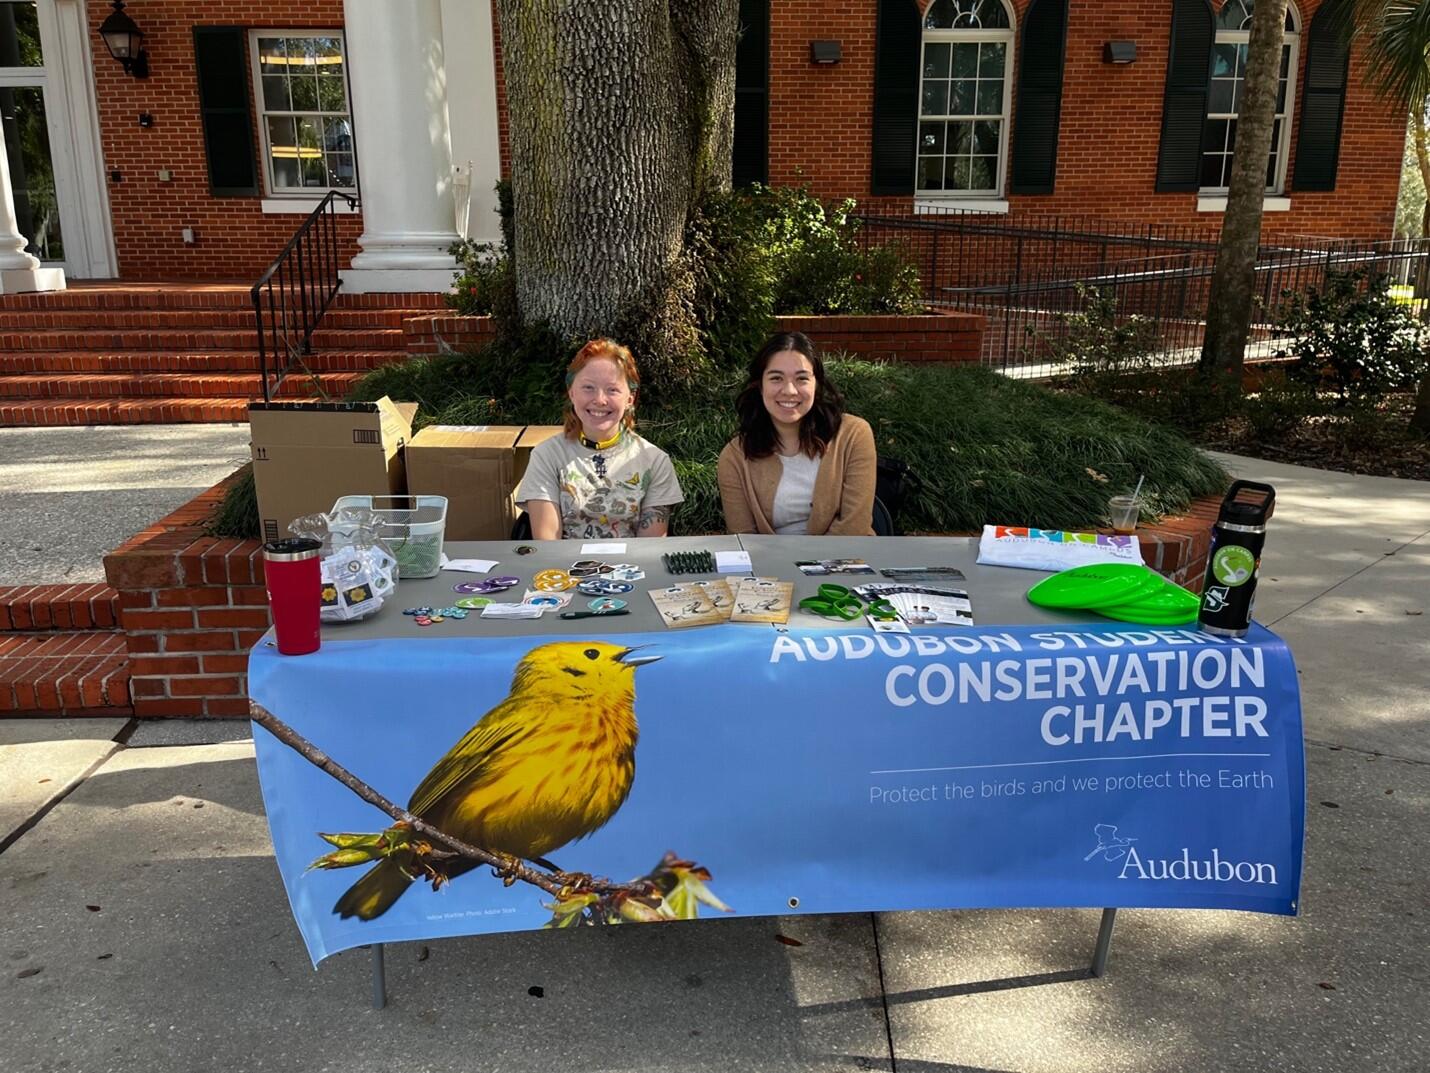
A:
(651, 516)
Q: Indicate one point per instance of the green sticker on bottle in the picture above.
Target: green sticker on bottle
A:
(1233, 565)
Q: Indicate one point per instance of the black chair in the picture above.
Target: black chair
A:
(521, 529)
(883, 521)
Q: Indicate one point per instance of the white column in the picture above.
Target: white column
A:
(472, 108)
(399, 97)
(19, 271)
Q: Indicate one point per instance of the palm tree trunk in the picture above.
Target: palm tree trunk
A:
(1420, 418)
(1233, 283)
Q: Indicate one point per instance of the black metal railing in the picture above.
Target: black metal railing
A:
(291, 297)
(1030, 277)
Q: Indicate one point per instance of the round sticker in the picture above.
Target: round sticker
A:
(1233, 565)
(473, 601)
(606, 603)
(545, 601)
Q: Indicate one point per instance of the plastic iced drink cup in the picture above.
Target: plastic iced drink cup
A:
(1122, 513)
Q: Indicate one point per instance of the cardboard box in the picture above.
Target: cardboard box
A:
(477, 467)
(307, 455)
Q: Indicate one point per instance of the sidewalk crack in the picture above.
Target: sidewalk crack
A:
(1358, 573)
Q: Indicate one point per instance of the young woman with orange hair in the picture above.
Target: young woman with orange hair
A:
(600, 480)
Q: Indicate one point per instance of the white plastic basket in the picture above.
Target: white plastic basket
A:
(413, 527)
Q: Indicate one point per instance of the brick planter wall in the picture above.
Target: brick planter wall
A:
(932, 337)
(191, 606)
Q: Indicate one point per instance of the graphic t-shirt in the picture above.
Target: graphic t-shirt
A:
(600, 500)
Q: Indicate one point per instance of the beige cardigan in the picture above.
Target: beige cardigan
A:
(843, 490)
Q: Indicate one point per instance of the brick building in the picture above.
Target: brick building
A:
(251, 110)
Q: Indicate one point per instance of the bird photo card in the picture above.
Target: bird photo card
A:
(762, 599)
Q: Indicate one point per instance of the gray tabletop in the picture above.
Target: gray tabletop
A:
(997, 593)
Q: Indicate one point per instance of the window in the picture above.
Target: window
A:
(963, 97)
(1233, 30)
(300, 82)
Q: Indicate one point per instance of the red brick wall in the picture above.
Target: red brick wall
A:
(821, 122)
(937, 337)
(235, 239)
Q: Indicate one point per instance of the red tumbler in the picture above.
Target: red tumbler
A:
(294, 578)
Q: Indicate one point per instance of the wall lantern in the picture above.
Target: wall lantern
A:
(1119, 52)
(826, 52)
(125, 41)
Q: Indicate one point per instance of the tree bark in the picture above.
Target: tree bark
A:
(1420, 417)
(1234, 279)
(622, 116)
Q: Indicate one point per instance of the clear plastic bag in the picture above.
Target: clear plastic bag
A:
(358, 571)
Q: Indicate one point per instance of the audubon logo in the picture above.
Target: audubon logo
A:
(1213, 869)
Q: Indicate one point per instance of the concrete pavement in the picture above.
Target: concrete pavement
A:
(69, 495)
(145, 926)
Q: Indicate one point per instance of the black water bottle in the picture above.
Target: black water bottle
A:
(1229, 589)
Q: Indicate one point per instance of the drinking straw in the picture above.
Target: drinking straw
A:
(1136, 492)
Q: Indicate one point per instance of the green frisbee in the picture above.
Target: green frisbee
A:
(1124, 614)
(1096, 586)
(1170, 599)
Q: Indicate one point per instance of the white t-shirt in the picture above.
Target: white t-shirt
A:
(600, 501)
(795, 494)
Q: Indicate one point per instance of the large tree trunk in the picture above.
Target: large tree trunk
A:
(622, 116)
(1234, 278)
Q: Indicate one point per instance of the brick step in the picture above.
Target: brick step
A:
(64, 674)
(58, 607)
(224, 361)
(51, 413)
(200, 340)
(35, 320)
(197, 386)
(135, 296)
(130, 296)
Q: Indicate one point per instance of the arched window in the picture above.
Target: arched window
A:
(963, 97)
(1233, 30)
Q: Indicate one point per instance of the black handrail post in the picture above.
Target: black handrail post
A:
(300, 285)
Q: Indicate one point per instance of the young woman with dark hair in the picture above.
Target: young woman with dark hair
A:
(600, 479)
(799, 463)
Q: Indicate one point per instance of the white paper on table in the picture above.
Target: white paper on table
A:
(617, 547)
(732, 562)
(511, 611)
(468, 566)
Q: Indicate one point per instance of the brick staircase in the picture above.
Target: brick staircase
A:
(61, 652)
(125, 353)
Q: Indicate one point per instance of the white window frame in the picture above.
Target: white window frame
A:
(959, 35)
(271, 189)
(1291, 39)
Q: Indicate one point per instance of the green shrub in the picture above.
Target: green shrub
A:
(986, 449)
(1355, 338)
(1281, 405)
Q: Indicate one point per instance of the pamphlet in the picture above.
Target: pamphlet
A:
(920, 605)
(762, 599)
(812, 567)
(686, 605)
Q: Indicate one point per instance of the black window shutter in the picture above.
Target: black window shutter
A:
(220, 57)
(1323, 100)
(1040, 97)
(752, 95)
(1184, 106)
(898, 42)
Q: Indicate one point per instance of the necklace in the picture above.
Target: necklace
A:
(600, 445)
(599, 460)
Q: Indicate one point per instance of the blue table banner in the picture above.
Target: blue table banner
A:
(761, 771)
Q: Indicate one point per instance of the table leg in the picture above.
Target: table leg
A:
(379, 978)
(1104, 942)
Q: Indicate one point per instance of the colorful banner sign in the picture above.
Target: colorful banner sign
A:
(787, 771)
